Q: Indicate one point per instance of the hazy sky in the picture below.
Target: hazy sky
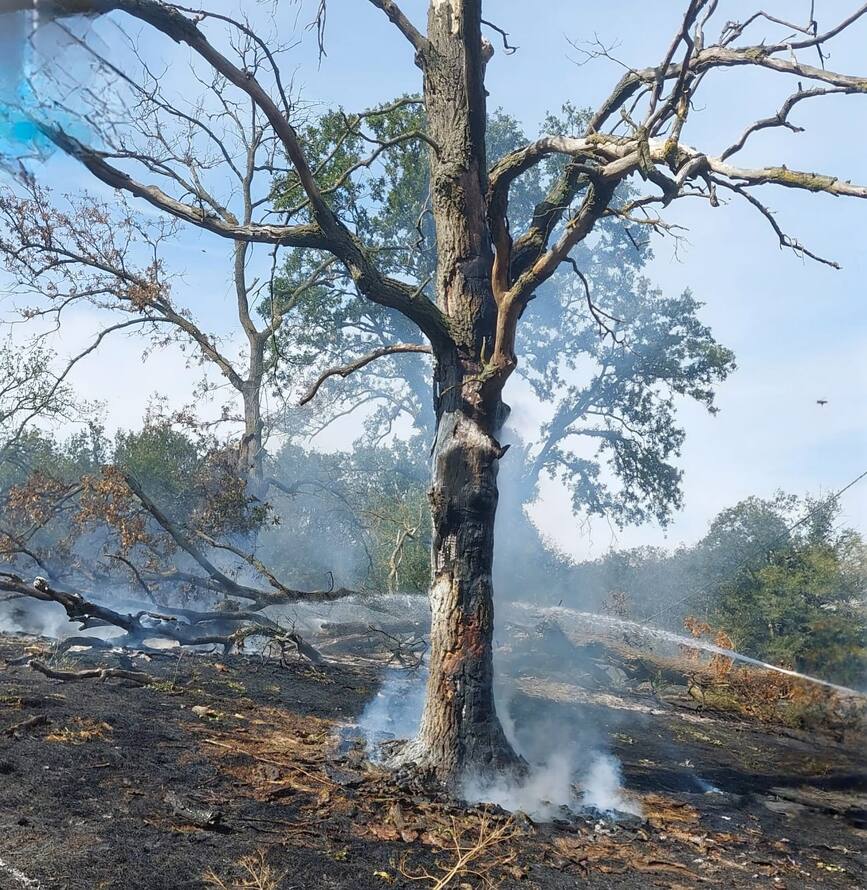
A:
(797, 328)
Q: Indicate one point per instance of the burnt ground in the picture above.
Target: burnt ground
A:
(86, 795)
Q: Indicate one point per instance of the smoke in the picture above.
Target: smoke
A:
(38, 618)
(549, 790)
(568, 769)
(44, 619)
(542, 794)
(394, 712)
(602, 787)
(706, 787)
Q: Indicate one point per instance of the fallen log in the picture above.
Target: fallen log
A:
(304, 649)
(225, 628)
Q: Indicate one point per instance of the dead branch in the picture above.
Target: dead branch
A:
(102, 673)
(404, 25)
(226, 629)
(68, 643)
(408, 651)
(29, 723)
(345, 370)
(262, 598)
(508, 48)
(477, 854)
(326, 231)
(305, 649)
(295, 642)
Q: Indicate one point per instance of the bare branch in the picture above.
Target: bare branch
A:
(140, 678)
(786, 241)
(405, 26)
(302, 235)
(780, 119)
(508, 48)
(345, 370)
(723, 56)
(328, 233)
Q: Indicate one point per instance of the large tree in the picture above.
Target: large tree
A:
(487, 273)
(609, 378)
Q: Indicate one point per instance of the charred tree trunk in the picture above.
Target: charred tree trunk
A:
(460, 732)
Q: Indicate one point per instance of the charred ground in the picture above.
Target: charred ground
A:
(106, 790)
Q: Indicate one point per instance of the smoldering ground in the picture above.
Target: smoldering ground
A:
(263, 753)
(569, 762)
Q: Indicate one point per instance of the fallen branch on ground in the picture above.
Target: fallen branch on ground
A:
(104, 673)
(408, 651)
(29, 723)
(473, 857)
(225, 628)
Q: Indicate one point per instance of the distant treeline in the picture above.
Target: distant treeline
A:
(779, 576)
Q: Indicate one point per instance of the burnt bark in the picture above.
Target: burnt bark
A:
(460, 732)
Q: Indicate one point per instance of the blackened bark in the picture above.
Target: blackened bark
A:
(460, 733)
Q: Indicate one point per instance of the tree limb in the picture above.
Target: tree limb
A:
(345, 370)
(329, 232)
(102, 673)
(404, 25)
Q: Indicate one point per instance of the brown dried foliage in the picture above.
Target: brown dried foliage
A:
(107, 499)
(34, 502)
(83, 251)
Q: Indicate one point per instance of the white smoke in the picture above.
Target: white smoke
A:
(548, 790)
(541, 794)
(395, 711)
(22, 615)
(602, 787)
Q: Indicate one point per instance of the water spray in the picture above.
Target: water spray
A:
(593, 619)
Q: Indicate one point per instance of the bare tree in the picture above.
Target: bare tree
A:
(486, 275)
(30, 390)
(222, 156)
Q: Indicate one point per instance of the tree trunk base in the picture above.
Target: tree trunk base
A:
(490, 757)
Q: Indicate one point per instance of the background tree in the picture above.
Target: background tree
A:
(801, 602)
(32, 391)
(608, 378)
(62, 251)
(487, 272)
(777, 575)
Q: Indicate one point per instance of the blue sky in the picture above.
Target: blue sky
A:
(797, 328)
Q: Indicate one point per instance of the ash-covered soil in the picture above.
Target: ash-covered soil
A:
(106, 791)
